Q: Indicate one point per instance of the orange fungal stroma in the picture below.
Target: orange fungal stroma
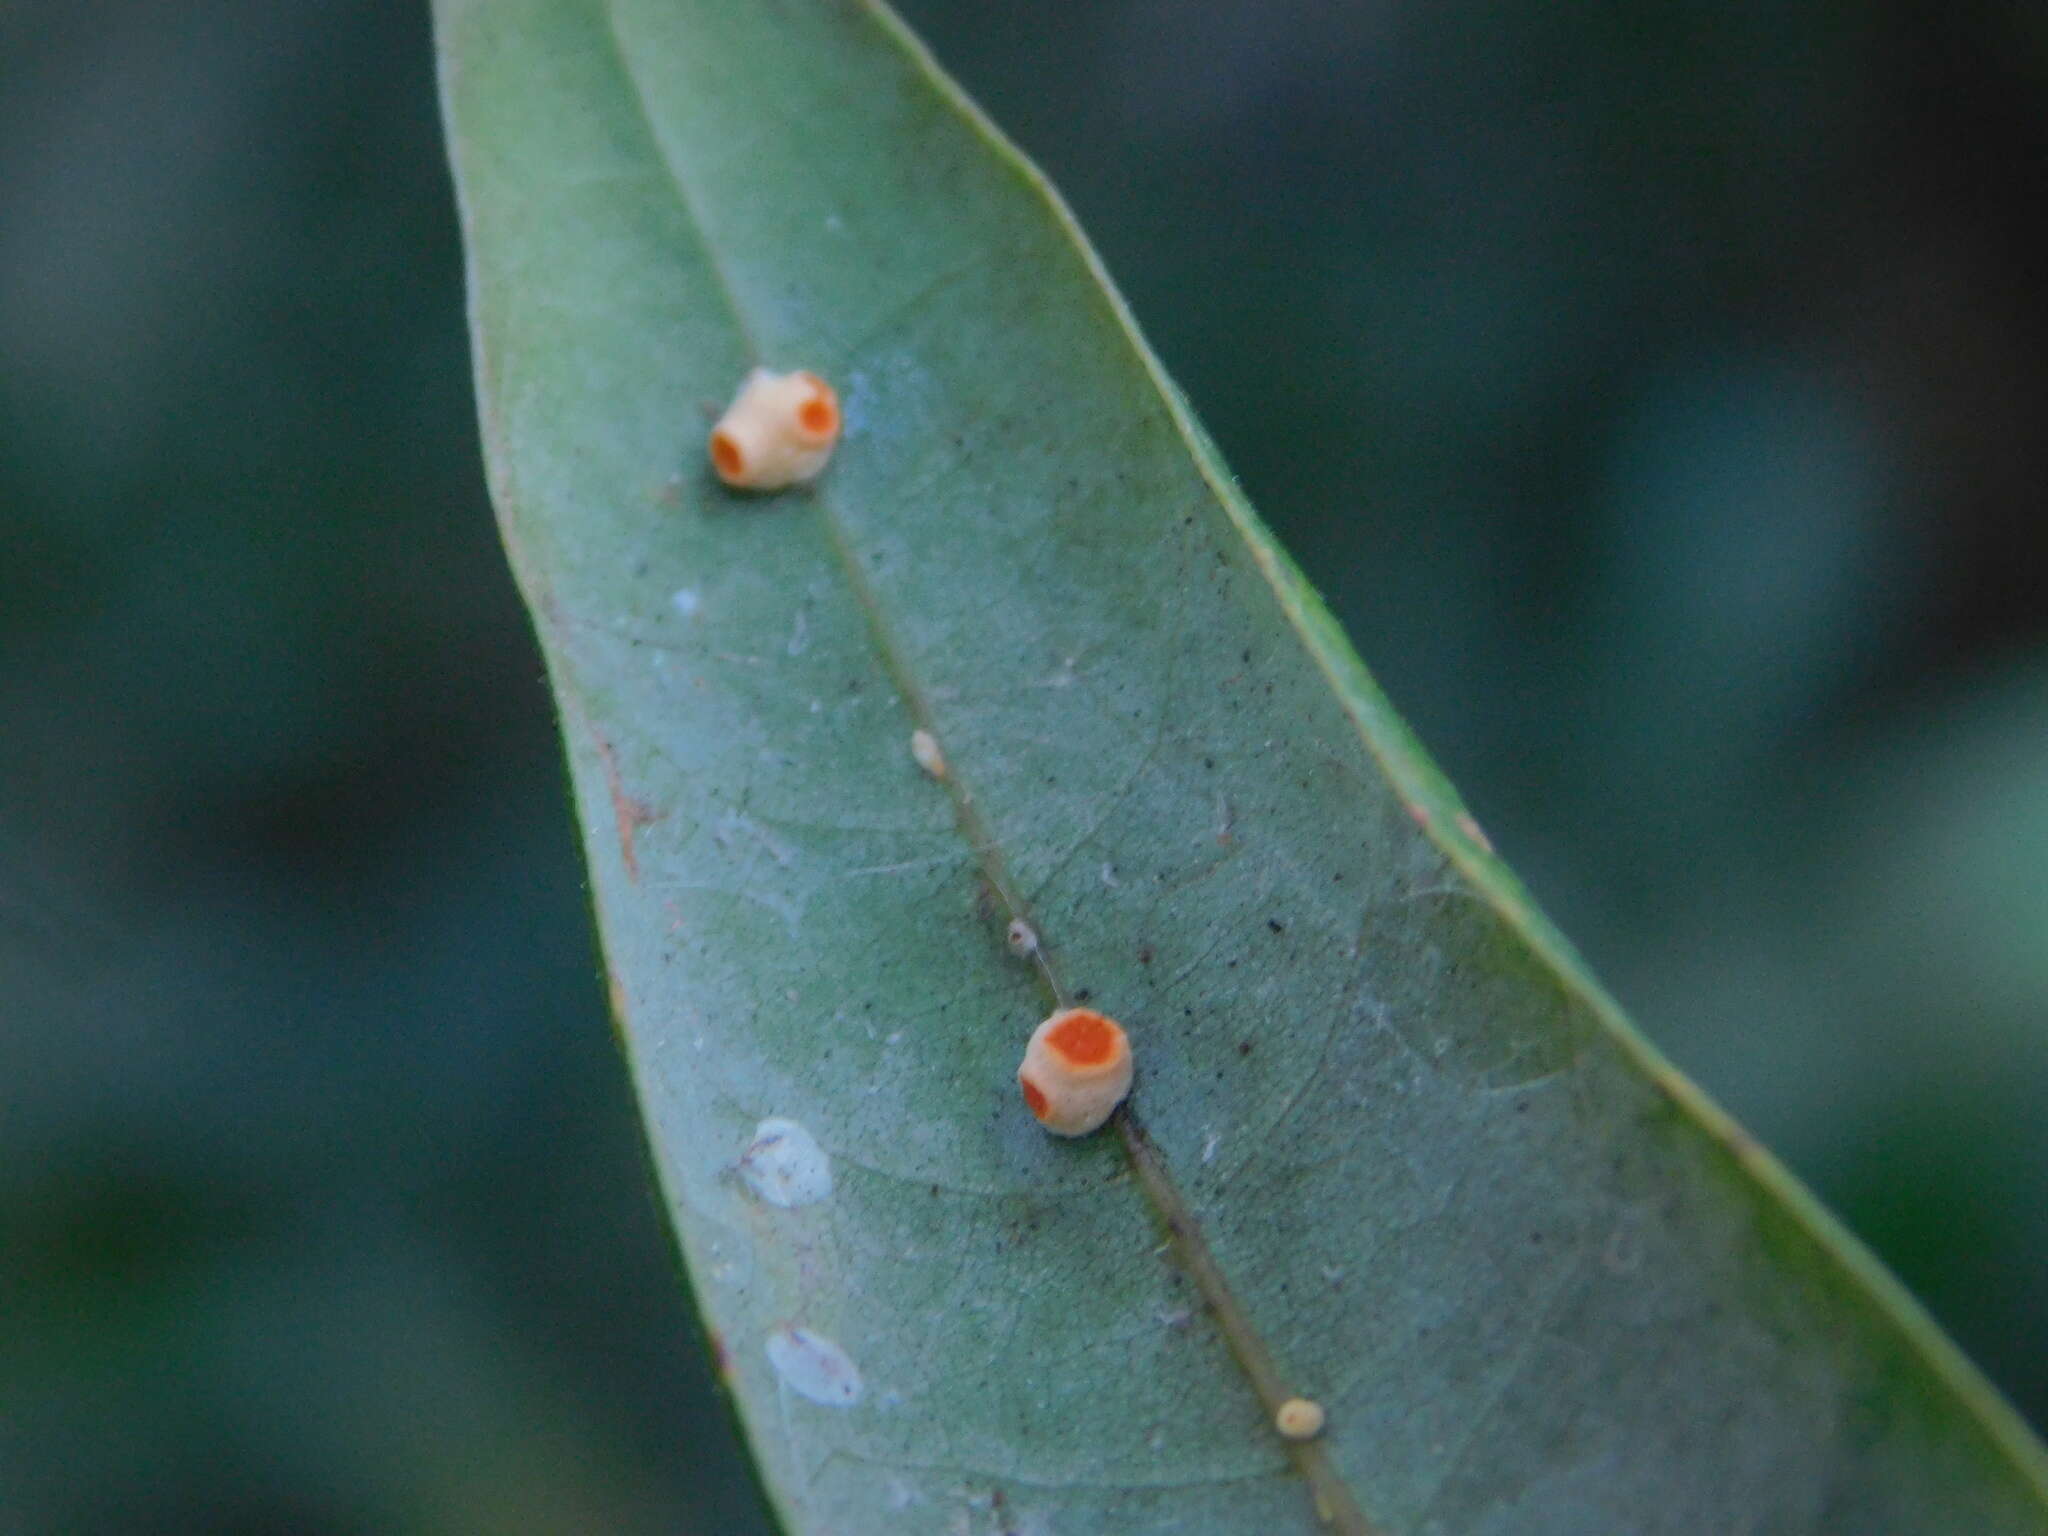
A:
(1075, 1071)
(779, 431)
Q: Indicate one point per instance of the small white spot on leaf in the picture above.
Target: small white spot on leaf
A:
(1064, 678)
(784, 1165)
(1022, 939)
(686, 601)
(814, 1367)
(924, 746)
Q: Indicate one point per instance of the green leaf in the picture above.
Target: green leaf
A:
(1391, 1148)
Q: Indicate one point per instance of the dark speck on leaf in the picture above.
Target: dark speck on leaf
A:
(1244, 1047)
(1276, 925)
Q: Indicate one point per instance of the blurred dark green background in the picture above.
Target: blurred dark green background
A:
(1659, 392)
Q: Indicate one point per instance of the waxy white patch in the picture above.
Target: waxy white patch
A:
(784, 1165)
(814, 1367)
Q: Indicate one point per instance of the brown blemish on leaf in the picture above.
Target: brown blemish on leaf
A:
(630, 813)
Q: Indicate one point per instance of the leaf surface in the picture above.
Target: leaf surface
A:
(1391, 1148)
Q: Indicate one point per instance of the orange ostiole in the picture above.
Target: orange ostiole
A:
(818, 417)
(1076, 1070)
(1084, 1038)
(779, 431)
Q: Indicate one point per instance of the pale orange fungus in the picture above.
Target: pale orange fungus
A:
(779, 431)
(1076, 1070)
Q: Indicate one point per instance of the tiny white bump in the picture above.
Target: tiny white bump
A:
(814, 1367)
(784, 1165)
(924, 747)
(1299, 1419)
